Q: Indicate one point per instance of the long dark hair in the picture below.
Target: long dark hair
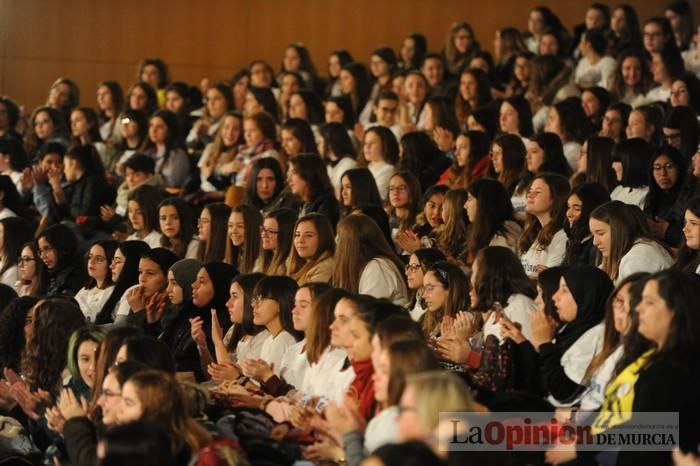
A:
(247, 282)
(187, 230)
(89, 160)
(45, 355)
(657, 197)
(109, 246)
(214, 249)
(251, 190)
(499, 276)
(534, 231)
(681, 292)
(335, 137)
(16, 230)
(12, 200)
(689, 259)
(281, 289)
(12, 322)
(129, 276)
(591, 195)
(244, 257)
(274, 260)
(363, 187)
(598, 164)
(493, 210)
(148, 198)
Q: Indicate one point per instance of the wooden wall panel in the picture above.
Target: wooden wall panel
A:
(91, 40)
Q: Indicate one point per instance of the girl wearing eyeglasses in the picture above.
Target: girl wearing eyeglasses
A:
(13, 232)
(211, 228)
(665, 184)
(92, 297)
(273, 301)
(420, 261)
(31, 272)
(445, 292)
(276, 237)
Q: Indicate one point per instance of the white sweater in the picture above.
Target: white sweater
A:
(273, 349)
(382, 279)
(382, 172)
(551, 256)
(92, 300)
(644, 256)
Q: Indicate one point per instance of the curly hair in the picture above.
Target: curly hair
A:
(46, 351)
(12, 321)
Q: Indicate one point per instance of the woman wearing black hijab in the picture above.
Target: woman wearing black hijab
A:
(171, 322)
(58, 249)
(125, 274)
(564, 355)
(209, 292)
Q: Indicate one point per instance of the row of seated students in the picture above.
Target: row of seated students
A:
(283, 267)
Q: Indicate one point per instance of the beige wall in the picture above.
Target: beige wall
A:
(92, 40)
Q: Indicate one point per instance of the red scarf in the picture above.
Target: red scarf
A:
(362, 388)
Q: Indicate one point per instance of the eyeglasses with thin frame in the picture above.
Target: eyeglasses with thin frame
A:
(430, 287)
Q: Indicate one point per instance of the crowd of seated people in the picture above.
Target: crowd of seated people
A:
(294, 265)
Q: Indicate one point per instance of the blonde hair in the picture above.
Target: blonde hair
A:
(436, 392)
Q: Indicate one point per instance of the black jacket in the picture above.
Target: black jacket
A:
(325, 204)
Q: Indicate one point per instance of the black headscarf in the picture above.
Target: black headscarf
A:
(220, 275)
(590, 288)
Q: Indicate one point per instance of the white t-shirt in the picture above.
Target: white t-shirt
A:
(578, 357)
(92, 300)
(572, 149)
(599, 74)
(417, 311)
(632, 196)
(382, 173)
(152, 239)
(593, 398)
(551, 256)
(192, 248)
(250, 348)
(273, 349)
(326, 379)
(10, 276)
(294, 364)
(6, 213)
(335, 172)
(518, 309)
(644, 256)
(382, 279)
(658, 94)
(382, 429)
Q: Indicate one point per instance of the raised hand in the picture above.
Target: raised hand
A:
(197, 332)
(135, 298)
(512, 330)
(464, 325)
(71, 406)
(543, 328)
(155, 307)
